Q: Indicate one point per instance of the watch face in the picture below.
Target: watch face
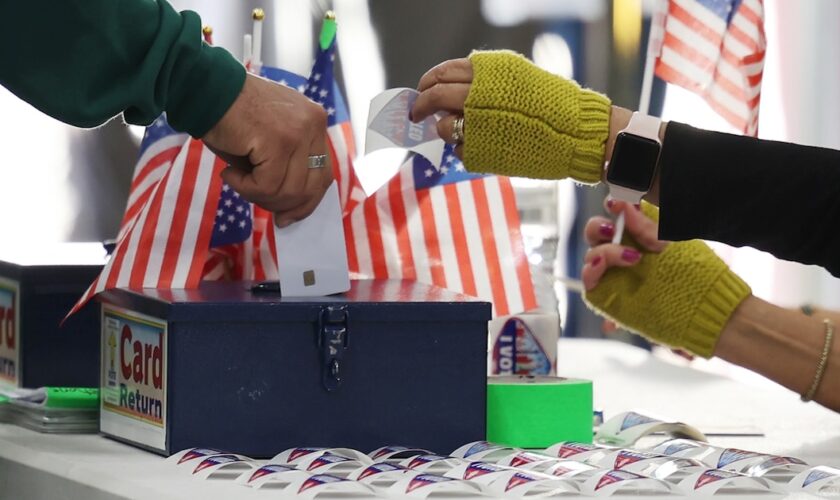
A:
(633, 162)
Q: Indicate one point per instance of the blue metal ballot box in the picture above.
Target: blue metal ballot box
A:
(38, 287)
(225, 367)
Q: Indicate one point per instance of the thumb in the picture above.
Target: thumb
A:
(643, 229)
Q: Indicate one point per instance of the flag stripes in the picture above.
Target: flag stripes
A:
(716, 48)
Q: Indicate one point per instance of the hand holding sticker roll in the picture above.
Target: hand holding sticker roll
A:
(680, 294)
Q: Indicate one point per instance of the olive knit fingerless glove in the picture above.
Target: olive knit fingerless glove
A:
(522, 121)
(681, 297)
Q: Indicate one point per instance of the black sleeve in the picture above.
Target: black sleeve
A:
(778, 197)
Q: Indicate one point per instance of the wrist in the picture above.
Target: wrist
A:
(619, 119)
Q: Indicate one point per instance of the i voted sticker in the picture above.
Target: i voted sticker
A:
(722, 482)
(483, 450)
(527, 460)
(191, 454)
(582, 452)
(336, 465)
(382, 474)
(386, 453)
(572, 470)
(223, 466)
(521, 484)
(671, 469)
(327, 486)
(819, 480)
(424, 485)
(435, 464)
(261, 472)
(296, 455)
(611, 482)
(390, 127)
(626, 428)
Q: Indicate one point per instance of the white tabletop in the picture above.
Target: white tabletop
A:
(626, 377)
(90, 467)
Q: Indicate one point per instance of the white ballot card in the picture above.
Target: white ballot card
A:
(389, 126)
(311, 254)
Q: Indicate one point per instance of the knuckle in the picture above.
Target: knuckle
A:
(294, 131)
(440, 71)
(318, 116)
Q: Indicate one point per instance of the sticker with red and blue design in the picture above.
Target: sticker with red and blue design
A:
(477, 469)
(302, 452)
(615, 476)
(518, 352)
(397, 452)
(217, 460)
(318, 480)
(731, 455)
(478, 447)
(626, 457)
(632, 419)
(776, 461)
(571, 449)
(817, 475)
(422, 480)
(712, 475)
(519, 479)
(674, 448)
(198, 452)
(423, 460)
(387, 450)
(375, 469)
(327, 459)
(526, 457)
(269, 469)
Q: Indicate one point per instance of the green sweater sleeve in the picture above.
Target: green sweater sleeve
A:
(85, 61)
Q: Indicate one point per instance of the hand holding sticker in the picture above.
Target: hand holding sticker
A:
(390, 127)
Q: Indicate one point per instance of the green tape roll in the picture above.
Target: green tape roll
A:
(72, 397)
(536, 412)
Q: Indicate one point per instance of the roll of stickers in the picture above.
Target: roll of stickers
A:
(536, 412)
(524, 344)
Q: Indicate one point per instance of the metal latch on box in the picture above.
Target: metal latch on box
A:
(333, 338)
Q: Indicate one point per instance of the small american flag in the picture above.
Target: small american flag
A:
(448, 228)
(322, 88)
(232, 237)
(164, 243)
(716, 49)
(160, 145)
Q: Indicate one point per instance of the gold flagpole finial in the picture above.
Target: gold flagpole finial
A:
(329, 15)
(258, 14)
(207, 30)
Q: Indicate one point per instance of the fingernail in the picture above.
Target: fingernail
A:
(631, 255)
(595, 261)
(610, 203)
(606, 229)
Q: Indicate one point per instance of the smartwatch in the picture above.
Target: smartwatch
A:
(635, 155)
